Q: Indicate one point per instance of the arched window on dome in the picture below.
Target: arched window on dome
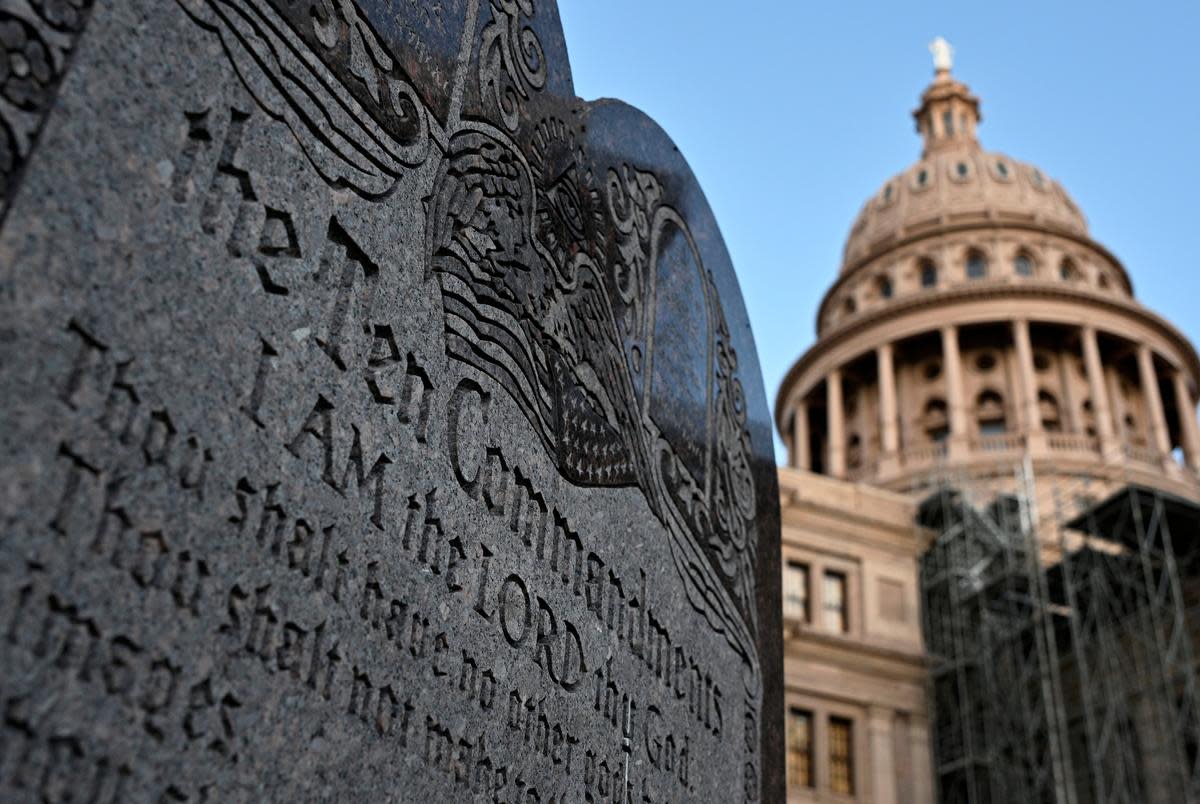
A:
(1103, 281)
(1023, 264)
(1068, 270)
(935, 421)
(883, 284)
(977, 266)
(849, 306)
(929, 274)
(989, 413)
(1048, 412)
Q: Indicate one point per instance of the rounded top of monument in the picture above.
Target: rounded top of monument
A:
(956, 182)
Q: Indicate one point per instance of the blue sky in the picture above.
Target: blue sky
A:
(792, 113)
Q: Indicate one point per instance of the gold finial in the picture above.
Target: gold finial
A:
(943, 55)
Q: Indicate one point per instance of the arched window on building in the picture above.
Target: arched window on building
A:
(883, 285)
(1048, 412)
(854, 453)
(929, 277)
(1133, 433)
(1088, 417)
(849, 307)
(977, 266)
(989, 413)
(936, 420)
(1023, 265)
(1068, 270)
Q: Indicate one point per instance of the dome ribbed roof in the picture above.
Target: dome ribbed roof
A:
(956, 186)
(956, 183)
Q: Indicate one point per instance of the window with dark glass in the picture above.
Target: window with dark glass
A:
(1089, 418)
(1023, 266)
(836, 616)
(854, 456)
(937, 420)
(993, 427)
(1068, 271)
(928, 274)
(800, 749)
(976, 266)
(795, 591)
(1048, 410)
(841, 755)
(989, 408)
(885, 287)
(948, 123)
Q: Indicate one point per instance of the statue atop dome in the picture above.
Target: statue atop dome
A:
(943, 54)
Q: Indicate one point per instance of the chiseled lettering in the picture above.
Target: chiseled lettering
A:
(467, 414)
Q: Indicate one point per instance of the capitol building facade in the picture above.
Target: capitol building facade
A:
(990, 501)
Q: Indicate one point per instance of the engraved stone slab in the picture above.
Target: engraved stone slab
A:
(380, 422)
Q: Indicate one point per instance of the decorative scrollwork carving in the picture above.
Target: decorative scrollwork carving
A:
(63, 15)
(632, 197)
(35, 39)
(511, 59)
(732, 499)
(317, 66)
(518, 246)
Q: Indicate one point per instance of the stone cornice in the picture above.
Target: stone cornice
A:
(898, 663)
(982, 290)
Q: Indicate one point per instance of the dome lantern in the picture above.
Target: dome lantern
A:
(955, 183)
(949, 113)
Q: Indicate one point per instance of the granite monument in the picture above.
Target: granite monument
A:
(378, 420)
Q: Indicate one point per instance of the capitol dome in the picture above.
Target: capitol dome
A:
(956, 183)
(956, 187)
(975, 324)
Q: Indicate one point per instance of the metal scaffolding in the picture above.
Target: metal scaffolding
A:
(1063, 650)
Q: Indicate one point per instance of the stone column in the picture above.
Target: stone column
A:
(834, 412)
(882, 759)
(821, 747)
(1101, 412)
(1117, 400)
(800, 441)
(952, 365)
(1186, 407)
(888, 421)
(1159, 436)
(922, 758)
(1035, 437)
